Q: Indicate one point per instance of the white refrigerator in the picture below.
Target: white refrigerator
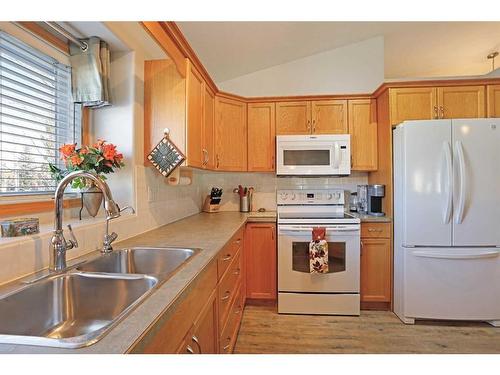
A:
(447, 220)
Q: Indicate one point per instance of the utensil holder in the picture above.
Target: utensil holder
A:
(244, 204)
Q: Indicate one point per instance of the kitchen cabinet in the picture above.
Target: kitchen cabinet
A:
(260, 261)
(461, 101)
(261, 137)
(205, 329)
(230, 134)
(293, 118)
(493, 100)
(425, 103)
(199, 120)
(376, 264)
(329, 117)
(311, 117)
(415, 103)
(363, 131)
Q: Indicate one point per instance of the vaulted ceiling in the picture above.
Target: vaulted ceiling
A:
(411, 49)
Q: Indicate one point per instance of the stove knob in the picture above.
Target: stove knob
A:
(293, 196)
(329, 196)
(337, 196)
(284, 196)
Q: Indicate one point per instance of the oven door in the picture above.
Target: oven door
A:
(343, 256)
(313, 155)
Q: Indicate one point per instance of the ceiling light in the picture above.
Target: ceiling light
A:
(491, 57)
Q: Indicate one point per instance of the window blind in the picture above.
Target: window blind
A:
(37, 116)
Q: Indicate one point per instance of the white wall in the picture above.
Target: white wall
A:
(356, 68)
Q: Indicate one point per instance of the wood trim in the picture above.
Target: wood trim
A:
(179, 39)
(47, 36)
(164, 39)
(25, 208)
(435, 82)
(256, 99)
(86, 138)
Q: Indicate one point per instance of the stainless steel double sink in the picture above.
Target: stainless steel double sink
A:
(76, 308)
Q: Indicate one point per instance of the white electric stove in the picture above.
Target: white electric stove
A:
(299, 291)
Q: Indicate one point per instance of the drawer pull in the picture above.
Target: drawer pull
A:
(237, 272)
(226, 296)
(238, 241)
(237, 311)
(225, 348)
(189, 349)
(374, 230)
(227, 257)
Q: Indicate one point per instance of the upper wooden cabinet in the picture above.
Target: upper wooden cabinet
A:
(416, 103)
(329, 117)
(195, 91)
(261, 137)
(316, 117)
(363, 131)
(425, 103)
(230, 134)
(208, 143)
(461, 101)
(493, 100)
(293, 118)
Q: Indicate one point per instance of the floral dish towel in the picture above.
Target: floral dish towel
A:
(318, 251)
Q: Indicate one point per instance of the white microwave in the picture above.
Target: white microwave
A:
(313, 155)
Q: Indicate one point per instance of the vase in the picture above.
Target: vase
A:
(92, 200)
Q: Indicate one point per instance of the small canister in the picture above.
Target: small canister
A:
(244, 204)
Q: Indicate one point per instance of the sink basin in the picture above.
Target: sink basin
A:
(70, 310)
(160, 262)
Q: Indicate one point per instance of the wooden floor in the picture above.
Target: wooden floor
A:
(263, 330)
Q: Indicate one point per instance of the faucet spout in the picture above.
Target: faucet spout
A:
(58, 244)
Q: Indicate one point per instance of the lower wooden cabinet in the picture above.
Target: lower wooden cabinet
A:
(376, 264)
(260, 261)
(205, 328)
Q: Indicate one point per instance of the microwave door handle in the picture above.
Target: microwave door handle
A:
(449, 175)
(336, 155)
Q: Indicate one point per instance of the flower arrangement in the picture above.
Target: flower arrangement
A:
(101, 158)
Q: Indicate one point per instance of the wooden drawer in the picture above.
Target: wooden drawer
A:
(227, 254)
(228, 288)
(375, 230)
(230, 331)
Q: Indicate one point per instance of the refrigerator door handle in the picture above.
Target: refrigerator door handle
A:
(462, 182)
(449, 174)
(445, 255)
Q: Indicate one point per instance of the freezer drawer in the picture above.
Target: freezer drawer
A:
(451, 283)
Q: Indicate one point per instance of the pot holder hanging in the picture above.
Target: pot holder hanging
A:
(166, 156)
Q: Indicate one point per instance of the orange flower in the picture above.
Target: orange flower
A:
(99, 143)
(67, 149)
(109, 152)
(84, 150)
(119, 157)
(76, 160)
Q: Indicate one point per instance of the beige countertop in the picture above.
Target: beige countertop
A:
(209, 232)
(371, 219)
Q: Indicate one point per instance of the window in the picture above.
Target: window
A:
(37, 116)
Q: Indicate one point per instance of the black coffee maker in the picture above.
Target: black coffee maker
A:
(374, 198)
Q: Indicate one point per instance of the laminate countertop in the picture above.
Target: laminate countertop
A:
(209, 232)
(371, 219)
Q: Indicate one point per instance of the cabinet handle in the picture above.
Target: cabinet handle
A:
(189, 349)
(227, 257)
(237, 272)
(217, 158)
(225, 348)
(272, 161)
(361, 248)
(314, 126)
(205, 158)
(238, 241)
(197, 342)
(308, 126)
(441, 109)
(226, 296)
(374, 230)
(436, 112)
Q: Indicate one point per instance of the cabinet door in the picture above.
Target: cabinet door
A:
(208, 149)
(493, 100)
(363, 131)
(329, 117)
(260, 253)
(461, 102)
(230, 135)
(205, 330)
(194, 111)
(188, 346)
(375, 270)
(416, 103)
(261, 137)
(293, 118)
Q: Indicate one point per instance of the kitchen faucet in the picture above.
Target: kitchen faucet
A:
(58, 244)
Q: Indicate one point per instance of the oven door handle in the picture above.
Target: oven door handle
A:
(283, 230)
